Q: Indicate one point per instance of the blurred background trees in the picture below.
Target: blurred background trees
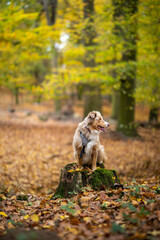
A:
(83, 50)
(125, 29)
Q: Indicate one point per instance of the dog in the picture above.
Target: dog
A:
(86, 144)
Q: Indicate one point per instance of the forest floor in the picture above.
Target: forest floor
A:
(31, 156)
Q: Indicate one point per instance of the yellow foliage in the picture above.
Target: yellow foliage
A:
(35, 218)
(3, 214)
(26, 217)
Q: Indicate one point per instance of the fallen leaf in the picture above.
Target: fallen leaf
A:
(26, 217)
(3, 214)
(87, 219)
(71, 170)
(10, 225)
(155, 232)
(35, 218)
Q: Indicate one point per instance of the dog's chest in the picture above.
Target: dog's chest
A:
(94, 140)
(94, 137)
(87, 156)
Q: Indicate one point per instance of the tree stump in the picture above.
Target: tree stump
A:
(72, 180)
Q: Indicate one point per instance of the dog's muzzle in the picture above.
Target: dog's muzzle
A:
(107, 124)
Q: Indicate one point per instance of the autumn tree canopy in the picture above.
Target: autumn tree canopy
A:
(52, 49)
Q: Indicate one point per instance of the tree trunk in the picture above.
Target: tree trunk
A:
(57, 105)
(92, 92)
(126, 109)
(92, 99)
(80, 90)
(71, 181)
(16, 94)
(57, 100)
(115, 105)
(153, 116)
(50, 7)
(126, 10)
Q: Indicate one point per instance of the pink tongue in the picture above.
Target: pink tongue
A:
(102, 129)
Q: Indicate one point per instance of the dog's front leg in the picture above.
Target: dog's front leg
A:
(94, 157)
(78, 158)
(80, 162)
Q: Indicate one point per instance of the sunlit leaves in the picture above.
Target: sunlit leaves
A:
(26, 40)
(23, 44)
(148, 84)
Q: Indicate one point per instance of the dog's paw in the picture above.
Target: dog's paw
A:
(93, 169)
(101, 162)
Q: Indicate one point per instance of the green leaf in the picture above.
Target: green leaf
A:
(104, 205)
(116, 228)
(132, 208)
(132, 220)
(29, 204)
(68, 209)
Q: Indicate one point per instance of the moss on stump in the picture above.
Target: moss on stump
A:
(72, 180)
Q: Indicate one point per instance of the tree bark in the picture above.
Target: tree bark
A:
(92, 92)
(72, 181)
(50, 7)
(153, 116)
(115, 105)
(57, 100)
(92, 99)
(127, 31)
(57, 105)
(16, 94)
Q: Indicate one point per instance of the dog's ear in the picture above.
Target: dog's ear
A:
(91, 116)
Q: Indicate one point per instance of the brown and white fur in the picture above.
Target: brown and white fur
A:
(91, 127)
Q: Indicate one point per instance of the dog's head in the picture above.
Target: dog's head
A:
(95, 121)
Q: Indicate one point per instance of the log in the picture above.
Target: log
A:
(72, 180)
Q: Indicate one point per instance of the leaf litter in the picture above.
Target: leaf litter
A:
(31, 158)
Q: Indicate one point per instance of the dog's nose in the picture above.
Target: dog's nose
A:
(107, 124)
